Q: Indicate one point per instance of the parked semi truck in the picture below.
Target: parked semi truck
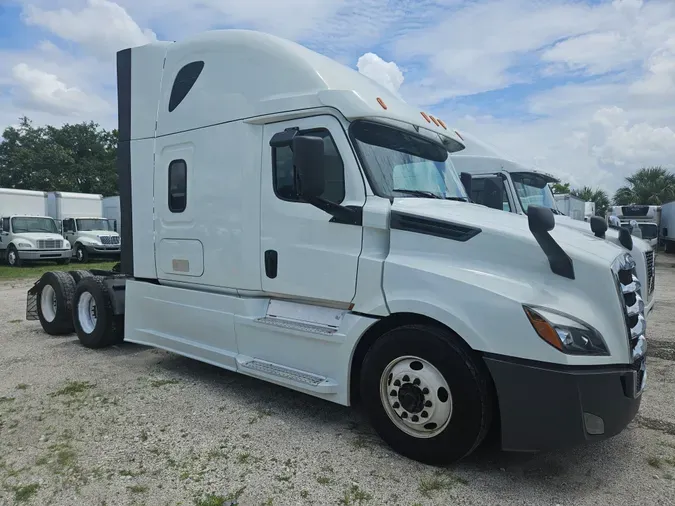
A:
(647, 217)
(83, 225)
(27, 233)
(310, 230)
(513, 187)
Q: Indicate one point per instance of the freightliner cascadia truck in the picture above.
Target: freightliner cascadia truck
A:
(287, 218)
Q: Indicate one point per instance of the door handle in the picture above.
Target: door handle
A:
(271, 261)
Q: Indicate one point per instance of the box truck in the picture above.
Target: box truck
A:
(27, 233)
(83, 224)
(668, 226)
(287, 218)
(513, 187)
(111, 212)
(571, 205)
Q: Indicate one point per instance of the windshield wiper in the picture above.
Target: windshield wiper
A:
(419, 193)
(459, 199)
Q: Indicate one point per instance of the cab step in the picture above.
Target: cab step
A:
(312, 328)
(277, 373)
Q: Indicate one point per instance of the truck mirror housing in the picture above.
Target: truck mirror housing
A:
(494, 193)
(465, 177)
(308, 158)
(540, 219)
(598, 226)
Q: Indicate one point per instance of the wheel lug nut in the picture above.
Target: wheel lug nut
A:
(396, 405)
(406, 378)
(427, 404)
(425, 391)
(393, 393)
(416, 381)
(424, 414)
(415, 418)
(397, 383)
(404, 415)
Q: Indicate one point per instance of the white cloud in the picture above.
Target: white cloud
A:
(385, 73)
(101, 26)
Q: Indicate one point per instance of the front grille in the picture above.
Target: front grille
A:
(50, 244)
(109, 239)
(630, 291)
(651, 272)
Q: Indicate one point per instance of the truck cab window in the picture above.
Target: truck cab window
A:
(533, 189)
(283, 171)
(5, 225)
(185, 80)
(177, 186)
(478, 193)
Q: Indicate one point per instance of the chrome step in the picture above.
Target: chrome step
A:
(312, 328)
(287, 375)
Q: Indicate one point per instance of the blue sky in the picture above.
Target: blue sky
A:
(584, 89)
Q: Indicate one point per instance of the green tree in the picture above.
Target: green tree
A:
(650, 185)
(77, 158)
(558, 188)
(596, 195)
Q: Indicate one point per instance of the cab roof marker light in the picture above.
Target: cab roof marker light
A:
(458, 135)
(434, 120)
(381, 102)
(442, 124)
(424, 115)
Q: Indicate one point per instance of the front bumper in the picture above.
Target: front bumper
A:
(104, 250)
(545, 406)
(44, 254)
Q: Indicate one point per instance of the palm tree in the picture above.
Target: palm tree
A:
(651, 185)
(596, 195)
(558, 188)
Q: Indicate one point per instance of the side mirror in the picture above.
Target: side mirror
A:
(465, 177)
(494, 193)
(598, 226)
(540, 219)
(308, 158)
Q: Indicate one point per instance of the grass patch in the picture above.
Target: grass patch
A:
(23, 493)
(323, 480)
(438, 482)
(35, 270)
(22, 386)
(260, 414)
(73, 388)
(655, 462)
(161, 382)
(6, 399)
(354, 495)
(219, 500)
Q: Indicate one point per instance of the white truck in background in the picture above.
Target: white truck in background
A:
(27, 233)
(571, 205)
(111, 211)
(589, 211)
(83, 225)
(648, 218)
(668, 226)
(500, 182)
(310, 230)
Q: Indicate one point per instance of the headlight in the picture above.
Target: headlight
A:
(66, 245)
(24, 245)
(566, 333)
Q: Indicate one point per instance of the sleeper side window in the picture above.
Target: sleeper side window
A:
(177, 186)
(185, 80)
(5, 224)
(283, 171)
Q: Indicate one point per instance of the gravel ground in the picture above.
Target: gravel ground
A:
(132, 425)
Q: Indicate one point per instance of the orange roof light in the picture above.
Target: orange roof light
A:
(434, 120)
(459, 135)
(442, 124)
(381, 102)
(424, 115)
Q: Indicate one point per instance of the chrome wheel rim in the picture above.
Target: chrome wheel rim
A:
(80, 254)
(86, 312)
(416, 397)
(48, 303)
(11, 257)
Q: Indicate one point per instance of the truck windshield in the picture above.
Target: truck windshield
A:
(88, 224)
(533, 189)
(402, 164)
(28, 225)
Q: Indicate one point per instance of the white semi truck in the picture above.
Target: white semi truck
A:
(289, 219)
(648, 218)
(26, 232)
(500, 182)
(668, 226)
(83, 225)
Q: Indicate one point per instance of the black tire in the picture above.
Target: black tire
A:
(13, 259)
(79, 274)
(63, 286)
(109, 328)
(63, 261)
(81, 254)
(466, 376)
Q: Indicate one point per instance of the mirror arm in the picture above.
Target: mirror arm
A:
(348, 215)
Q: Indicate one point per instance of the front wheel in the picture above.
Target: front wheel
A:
(13, 258)
(81, 254)
(426, 395)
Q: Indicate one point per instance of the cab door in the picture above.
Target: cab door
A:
(305, 255)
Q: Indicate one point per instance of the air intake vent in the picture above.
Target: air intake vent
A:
(50, 244)
(630, 291)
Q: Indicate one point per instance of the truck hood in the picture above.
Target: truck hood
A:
(498, 222)
(612, 234)
(95, 234)
(38, 236)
